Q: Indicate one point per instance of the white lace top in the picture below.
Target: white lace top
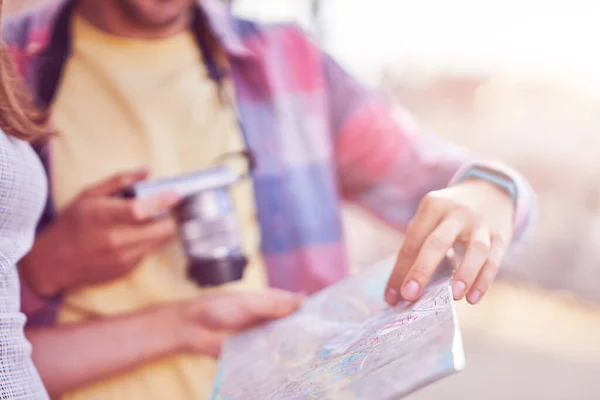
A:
(22, 196)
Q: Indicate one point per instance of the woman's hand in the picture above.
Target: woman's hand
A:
(204, 323)
(474, 213)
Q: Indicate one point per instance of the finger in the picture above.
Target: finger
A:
(244, 310)
(131, 211)
(137, 240)
(498, 248)
(116, 183)
(210, 343)
(425, 221)
(478, 250)
(273, 303)
(435, 248)
(121, 263)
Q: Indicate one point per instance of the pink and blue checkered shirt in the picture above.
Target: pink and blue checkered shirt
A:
(320, 139)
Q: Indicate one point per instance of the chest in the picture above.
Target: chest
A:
(172, 120)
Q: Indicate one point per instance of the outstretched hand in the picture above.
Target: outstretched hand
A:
(473, 213)
(211, 319)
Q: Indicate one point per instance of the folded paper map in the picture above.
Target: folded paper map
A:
(346, 343)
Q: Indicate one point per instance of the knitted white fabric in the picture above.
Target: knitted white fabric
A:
(23, 191)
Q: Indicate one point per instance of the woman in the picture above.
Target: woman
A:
(22, 197)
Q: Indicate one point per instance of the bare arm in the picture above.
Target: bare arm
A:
(70, 357)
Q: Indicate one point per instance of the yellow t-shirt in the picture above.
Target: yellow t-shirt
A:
(125, 103)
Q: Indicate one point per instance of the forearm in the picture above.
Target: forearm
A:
(387, 168)
(387, 161)
(41, 268)
(70, 357)
(402, 163)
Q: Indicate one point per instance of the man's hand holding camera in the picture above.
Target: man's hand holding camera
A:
(99, 236)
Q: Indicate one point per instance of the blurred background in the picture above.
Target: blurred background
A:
(514, 79)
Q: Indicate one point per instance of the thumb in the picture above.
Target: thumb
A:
(244, 310)
(116, 183)
(209, 343)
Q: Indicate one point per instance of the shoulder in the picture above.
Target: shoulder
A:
(249, 30)
(282, 44)
(10, 148)
(248, 27)
(8, 143)
(18, 29)
(15, 29)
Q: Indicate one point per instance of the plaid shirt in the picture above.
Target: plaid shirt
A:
(319, 136)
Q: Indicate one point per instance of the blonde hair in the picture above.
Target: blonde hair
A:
(19, 116)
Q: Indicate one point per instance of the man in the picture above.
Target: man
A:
(159, 84)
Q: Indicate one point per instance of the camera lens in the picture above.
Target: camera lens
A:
(210, 233)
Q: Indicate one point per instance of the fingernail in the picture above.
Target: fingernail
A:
(287, 302)
(292, 296)
(411, 290)
(301, 297)
(458, 290)
(391, 296)
(475, 297)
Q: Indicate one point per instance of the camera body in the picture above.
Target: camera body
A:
(208, 225)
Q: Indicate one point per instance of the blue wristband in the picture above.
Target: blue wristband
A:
(501, 181)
